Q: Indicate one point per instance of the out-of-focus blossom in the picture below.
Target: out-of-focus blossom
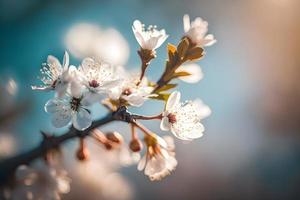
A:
(196, 31)
(184, 119)
(7, 145)
(97, 77)
(89, 40)
(69, 109)
(11, 87)
(99, 172)
(193, 69)
(55, 75)
(159, 159)
(39, 182)
(134, 94)
(149, 39)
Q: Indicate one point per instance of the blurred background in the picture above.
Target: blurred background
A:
(251, 82)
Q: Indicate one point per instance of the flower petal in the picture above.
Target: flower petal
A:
(66, 61)
(82, 119)
(142, 163)
(186, 23)
(173, 100)
(165, 124)
(194, 70)
(61, 118)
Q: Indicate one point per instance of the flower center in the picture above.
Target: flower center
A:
(93, 84)
(75, 103)
(172, 118)
(54, 84)
(127, 92)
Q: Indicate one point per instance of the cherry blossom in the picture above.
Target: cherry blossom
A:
(196, 31)
(54, 75)
(159, 160)
(184, 119)
(149, 39)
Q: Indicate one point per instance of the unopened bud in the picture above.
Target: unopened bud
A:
(114, 137)
(136, 145)
(82, 154)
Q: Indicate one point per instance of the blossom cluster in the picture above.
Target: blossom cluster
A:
(97, 82)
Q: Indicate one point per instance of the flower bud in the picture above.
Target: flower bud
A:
(114, 137)
(82, 154)
(136, 145)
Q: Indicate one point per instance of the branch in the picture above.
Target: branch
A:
(9, 165)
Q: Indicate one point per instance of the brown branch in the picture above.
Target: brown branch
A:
(9, 165)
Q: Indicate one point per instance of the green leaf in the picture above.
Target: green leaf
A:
(166, 87)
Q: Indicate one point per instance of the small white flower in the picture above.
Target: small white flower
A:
(69, 109)
(193, 69)
(55, 75)
(183, 119)
(97, 77)
(196, 31)
(149, 39)
(133, 94)
(40, 182)
(159, 160)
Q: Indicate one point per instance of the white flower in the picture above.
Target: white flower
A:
(69, 109)
(196, 31)
(159, 160)
(55, 75)
(149, 39)
(193, 69)
(183, 119)
(134, 94)
(40, 182)
(97, 77)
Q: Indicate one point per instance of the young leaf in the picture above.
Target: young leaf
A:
(163, 97)
(181, 73)
(195, 53)
(166, 87)
(171, 48)
(183, 47)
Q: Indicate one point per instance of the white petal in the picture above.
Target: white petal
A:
(186, 23)
(53, 61)
(173, 100)
(41, 88)
(202, 109)
(139, 37)
(61, 88)
(209, 40)
(135, 100)
(82, 119)
(66, 60)
(165, 124)
(53, 105)
(61, 118)
(194, 70)
(142, 163)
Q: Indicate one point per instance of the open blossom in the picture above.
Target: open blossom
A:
(70, 108)
(184, 119)
(40, 182)
(55, 75)
(128, 89)
(98, 78)
(159, 160)
(193, 69)
(196, 31)
(149, 39)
